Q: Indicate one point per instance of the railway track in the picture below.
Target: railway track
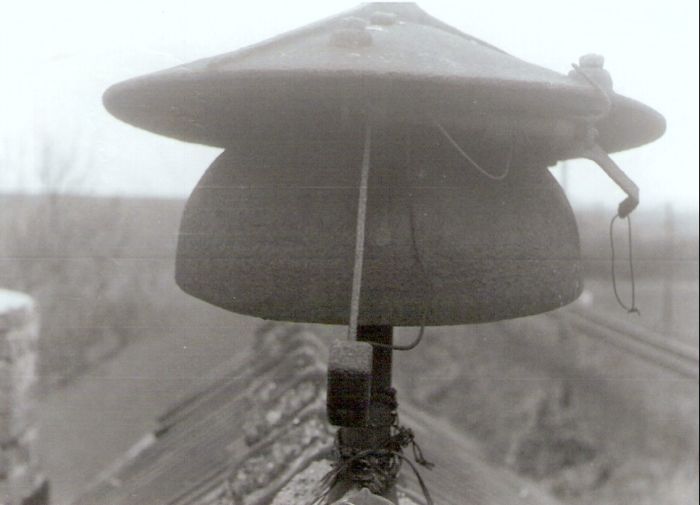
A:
(644, 344)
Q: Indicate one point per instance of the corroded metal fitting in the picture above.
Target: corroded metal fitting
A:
(591, 60)
(592, 65)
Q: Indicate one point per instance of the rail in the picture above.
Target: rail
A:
(643, 343)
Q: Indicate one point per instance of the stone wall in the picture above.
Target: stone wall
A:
(21, 481)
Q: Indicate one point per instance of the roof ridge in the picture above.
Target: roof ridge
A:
(248, 440)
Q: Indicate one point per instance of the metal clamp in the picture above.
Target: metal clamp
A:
(349, 384)
(591, 70)
(592, 151)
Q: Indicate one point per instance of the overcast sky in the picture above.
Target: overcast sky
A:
(57, 57)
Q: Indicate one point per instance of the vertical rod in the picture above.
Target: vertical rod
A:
(360, 237)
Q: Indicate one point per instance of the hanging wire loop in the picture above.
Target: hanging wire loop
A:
(631, 309)
(479, 168)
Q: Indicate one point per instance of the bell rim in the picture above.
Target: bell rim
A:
(141, 102)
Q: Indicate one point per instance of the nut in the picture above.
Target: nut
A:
(591, 61)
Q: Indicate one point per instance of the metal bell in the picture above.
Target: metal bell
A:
(464, 222)
(270, 230)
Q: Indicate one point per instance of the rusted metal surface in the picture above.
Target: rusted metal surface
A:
(253, 433)
(396, 55)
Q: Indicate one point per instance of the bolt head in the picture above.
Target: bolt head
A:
(351, 33)
(591, 61)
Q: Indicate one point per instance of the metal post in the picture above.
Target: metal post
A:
(380, 413)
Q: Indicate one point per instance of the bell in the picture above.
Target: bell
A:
(381, 169)
(270, 231)
(464, 222)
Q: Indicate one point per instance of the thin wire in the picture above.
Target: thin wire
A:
(407, 347)
(484, 172)
(633, 308)
(360, 236)
(606, 110)
(424, 272)
(421, 332)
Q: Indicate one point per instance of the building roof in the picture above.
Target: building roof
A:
(258, 435)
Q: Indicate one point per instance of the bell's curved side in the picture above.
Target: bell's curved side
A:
(269, 231)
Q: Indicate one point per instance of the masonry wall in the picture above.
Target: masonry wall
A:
(21, 480)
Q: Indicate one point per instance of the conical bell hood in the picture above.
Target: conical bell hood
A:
(392, 58)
